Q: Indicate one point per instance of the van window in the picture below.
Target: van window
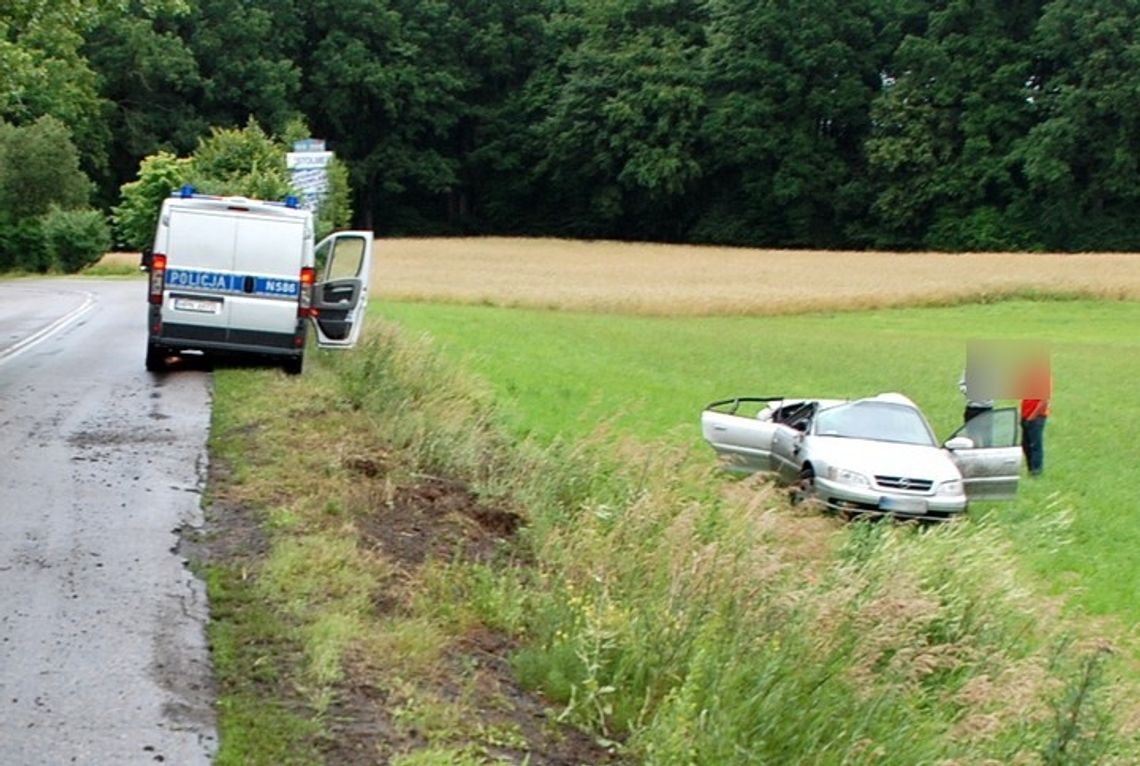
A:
(348, 257)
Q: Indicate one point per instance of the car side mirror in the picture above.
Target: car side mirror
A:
(959, 442)
(801, 426)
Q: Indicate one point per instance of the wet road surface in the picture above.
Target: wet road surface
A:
(103, 658)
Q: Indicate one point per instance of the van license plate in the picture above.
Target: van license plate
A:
(198, 305)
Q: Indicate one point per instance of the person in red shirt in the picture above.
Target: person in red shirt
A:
(1036, 393)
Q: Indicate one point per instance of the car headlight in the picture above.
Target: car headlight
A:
(952, 487)
(844, 476)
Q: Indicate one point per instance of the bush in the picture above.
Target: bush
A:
(245, 162)
(75, 239)
(22, 246)
(137, 215)
(39, 167)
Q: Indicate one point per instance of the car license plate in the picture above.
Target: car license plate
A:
(200, 305)
(903, 504)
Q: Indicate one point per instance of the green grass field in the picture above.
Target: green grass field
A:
(562, 373)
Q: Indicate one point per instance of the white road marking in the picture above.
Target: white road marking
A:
(43, 334)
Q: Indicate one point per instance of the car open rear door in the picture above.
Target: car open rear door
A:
(743, 443)
(341, 297)
(991, 468)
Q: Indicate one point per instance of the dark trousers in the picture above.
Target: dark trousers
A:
(1033, 443)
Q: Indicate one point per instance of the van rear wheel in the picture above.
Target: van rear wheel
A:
(155, 358)
(294, 365)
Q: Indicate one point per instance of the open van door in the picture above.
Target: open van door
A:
(340, 297)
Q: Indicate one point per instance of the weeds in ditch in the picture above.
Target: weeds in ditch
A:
(678, 618)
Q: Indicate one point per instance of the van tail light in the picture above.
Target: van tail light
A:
(157, 277)
(305, 307)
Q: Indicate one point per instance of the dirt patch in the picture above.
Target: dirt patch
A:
(509, 724)
(374, 719)
(436, 518)
(503, 722)
(549, 742)
(232, 535)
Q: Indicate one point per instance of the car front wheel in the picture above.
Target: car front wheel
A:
(804, 488)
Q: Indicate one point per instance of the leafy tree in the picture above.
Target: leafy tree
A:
(790, 87)
(152, 80)
(618, 116)
(495, 46)
(1081, 158)
(136, 215)
(246, 162)
(381, 87)
(42, 72)
(954, 105)
(39, 167)
(246, 56)
(44, 67)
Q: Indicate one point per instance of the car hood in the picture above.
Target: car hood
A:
(882, 458)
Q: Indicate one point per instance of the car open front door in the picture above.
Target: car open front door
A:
(341, 297)
(743, 443)
(991, 468)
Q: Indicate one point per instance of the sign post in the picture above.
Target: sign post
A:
(308, 164)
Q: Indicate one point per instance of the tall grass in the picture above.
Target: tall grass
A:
(701, 626)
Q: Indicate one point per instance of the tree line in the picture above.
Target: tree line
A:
(902, 124)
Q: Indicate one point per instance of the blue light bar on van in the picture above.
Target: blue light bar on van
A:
(292, 202)
(186, 192)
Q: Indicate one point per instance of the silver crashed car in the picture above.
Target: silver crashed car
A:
(875, 455)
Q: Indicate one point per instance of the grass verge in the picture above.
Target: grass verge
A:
(439, 592)
(563, 373)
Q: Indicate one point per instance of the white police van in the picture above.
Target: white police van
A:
(236, 275)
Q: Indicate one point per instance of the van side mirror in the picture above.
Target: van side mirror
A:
(146, 259)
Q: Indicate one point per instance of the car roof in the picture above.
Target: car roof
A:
(891, 397)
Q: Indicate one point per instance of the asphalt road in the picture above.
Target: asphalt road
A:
(103, 657)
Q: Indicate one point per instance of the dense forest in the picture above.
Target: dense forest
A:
(953, 124)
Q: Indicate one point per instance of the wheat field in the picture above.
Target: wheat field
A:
(682, 279)
(641, 278)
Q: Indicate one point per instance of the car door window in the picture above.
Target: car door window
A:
(797, 416)
(996, 428)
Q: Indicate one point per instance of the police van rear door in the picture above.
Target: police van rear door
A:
(340, 299)
(268, 251)
(199, 271)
